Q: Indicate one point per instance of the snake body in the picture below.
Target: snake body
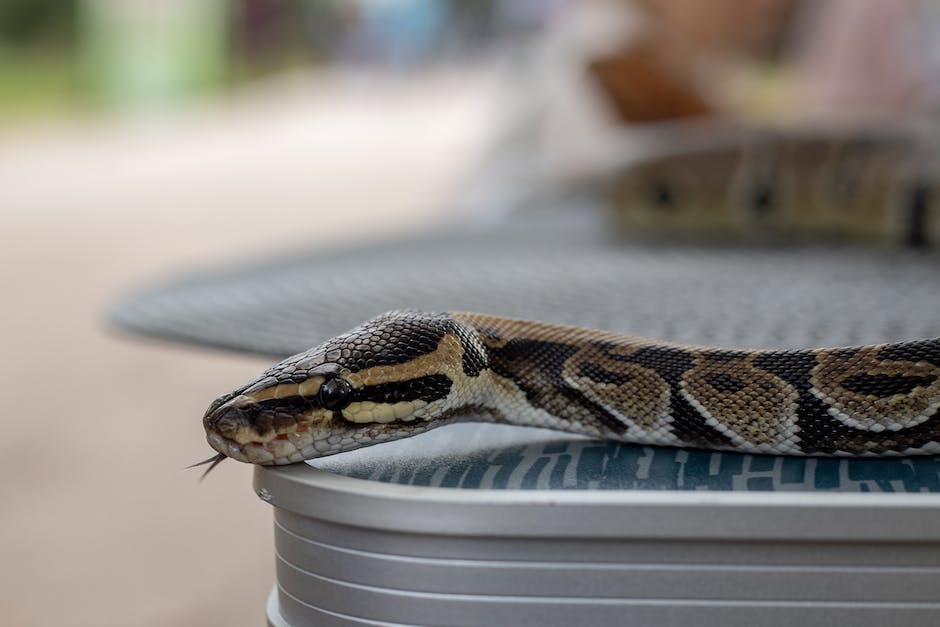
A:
(406, 372)
(875, 185)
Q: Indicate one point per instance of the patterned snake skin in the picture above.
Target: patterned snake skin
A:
(862, 186)
(407, 372)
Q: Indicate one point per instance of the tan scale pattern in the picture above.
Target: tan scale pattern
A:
(642, 399)
(840, 186)
(446, 359)
(762, 413)
(872, 411)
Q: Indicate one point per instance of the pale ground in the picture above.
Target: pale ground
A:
(99, 524)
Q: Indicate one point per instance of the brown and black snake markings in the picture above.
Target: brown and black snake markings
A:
(868, 186)
(406, 372)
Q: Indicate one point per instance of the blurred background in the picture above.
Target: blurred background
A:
(142, 139)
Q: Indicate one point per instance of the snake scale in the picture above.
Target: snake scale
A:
(406, 372)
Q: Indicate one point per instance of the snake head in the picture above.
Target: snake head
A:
(396, 375)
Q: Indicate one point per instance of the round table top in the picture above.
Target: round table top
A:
(561, 265)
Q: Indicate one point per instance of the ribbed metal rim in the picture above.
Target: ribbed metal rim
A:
(307, 491)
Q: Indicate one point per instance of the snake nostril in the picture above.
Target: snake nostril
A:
(227, 420)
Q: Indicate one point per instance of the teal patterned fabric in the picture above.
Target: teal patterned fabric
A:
(477, 456)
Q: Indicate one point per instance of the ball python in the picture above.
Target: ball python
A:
(872, 185)
(406, 372)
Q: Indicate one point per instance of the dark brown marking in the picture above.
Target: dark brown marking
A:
(670, 363)
(883, 385)
(922, 350)
(662, 195)
(918, 210)
(762, 198)
(600, 374)
(428, 388)
(819, 433)
(725, 383)
(536, 367)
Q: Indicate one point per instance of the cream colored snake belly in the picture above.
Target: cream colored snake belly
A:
(405, 372)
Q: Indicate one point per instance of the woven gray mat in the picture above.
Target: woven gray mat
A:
(559, 267)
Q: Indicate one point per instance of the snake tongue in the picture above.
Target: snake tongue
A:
(215, 461)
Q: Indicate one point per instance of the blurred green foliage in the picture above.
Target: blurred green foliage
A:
(38, 69)
(38, 24)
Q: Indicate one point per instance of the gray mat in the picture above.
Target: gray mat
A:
(559, 267)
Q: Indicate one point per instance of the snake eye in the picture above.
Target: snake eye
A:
(335, 394)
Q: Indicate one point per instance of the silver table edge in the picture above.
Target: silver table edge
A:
(712, 515)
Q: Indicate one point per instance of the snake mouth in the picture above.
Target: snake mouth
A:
(239, 428)
(294, 447)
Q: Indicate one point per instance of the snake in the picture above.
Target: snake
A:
(406, 372)
(871, 185)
